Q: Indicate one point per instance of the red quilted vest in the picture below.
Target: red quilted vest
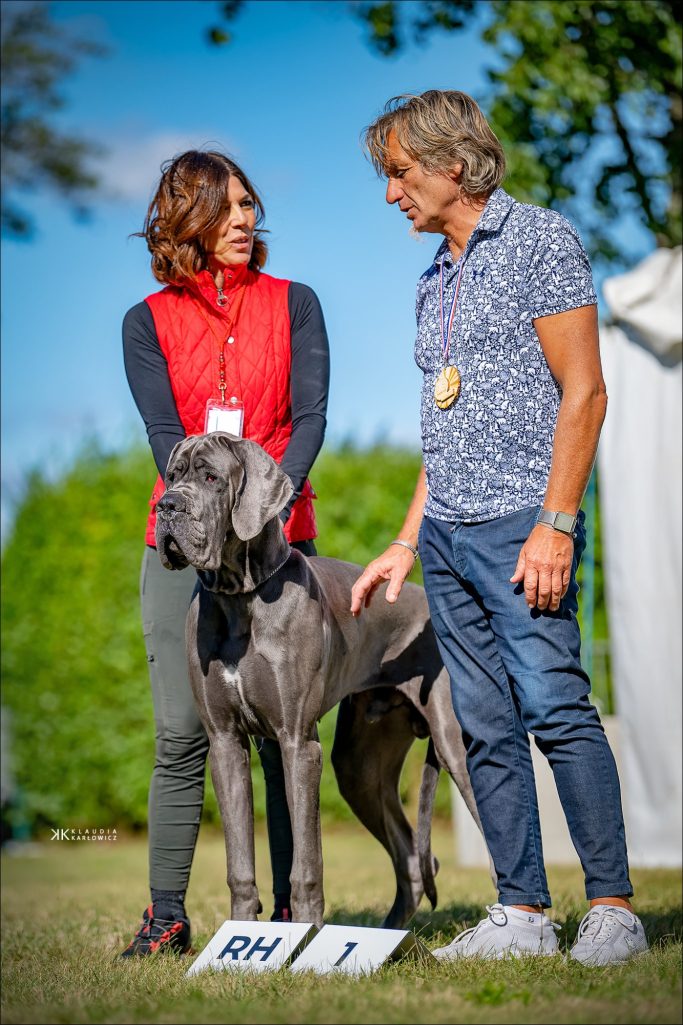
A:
(190, 327)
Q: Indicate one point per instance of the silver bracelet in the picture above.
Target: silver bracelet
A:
(407, 544)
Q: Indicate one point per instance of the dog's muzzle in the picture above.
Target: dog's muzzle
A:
(181, 539)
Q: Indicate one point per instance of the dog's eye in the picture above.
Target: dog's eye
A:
(210, 477)
(170, 477)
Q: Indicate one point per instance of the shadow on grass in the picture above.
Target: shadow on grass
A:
(662, 928)
(449, 920)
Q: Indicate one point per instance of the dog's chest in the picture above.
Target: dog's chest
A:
(243, 685)
(238, 699)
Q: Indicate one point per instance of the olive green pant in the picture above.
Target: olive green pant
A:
(176, 792)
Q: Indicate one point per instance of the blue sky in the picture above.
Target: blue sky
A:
(288, 99)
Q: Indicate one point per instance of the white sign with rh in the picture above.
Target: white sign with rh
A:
(356, 950)
(256, 946)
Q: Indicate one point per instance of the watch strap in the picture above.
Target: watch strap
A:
(564, 522)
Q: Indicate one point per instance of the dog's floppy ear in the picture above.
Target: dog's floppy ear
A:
(264, 492)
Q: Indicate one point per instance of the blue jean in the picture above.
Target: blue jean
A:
(515, 671)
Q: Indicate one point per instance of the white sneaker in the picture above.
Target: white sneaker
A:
(503, 934)
(609, 935)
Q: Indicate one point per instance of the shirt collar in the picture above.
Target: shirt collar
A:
(494, 213)
(497, 208)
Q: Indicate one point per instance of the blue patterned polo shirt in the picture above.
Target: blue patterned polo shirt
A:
(489, 453)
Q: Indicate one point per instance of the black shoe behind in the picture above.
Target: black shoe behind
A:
(165, 931)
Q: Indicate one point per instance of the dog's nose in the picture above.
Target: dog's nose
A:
(170, 502)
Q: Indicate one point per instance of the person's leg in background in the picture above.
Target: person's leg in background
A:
(176, 792)
(280, 839)
(277, 811)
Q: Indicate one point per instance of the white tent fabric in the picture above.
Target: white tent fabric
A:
(639, 462)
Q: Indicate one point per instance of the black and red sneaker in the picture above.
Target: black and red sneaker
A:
(159, 933)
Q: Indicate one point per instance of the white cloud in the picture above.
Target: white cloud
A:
(130, 168)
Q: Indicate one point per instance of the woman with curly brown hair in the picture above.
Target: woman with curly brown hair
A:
(222, 347)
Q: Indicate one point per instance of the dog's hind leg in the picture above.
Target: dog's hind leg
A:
(230, 761)
(367, 759)
(302, 762)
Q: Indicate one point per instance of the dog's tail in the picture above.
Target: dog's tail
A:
(429, 866)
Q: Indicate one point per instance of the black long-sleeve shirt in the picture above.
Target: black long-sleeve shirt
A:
(147, 373)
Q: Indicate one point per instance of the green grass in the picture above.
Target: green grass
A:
(70, 908)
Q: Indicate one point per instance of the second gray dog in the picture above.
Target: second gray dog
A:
(272, 646)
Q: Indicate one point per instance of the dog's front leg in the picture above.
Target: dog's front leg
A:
(302, 761)
(231, 775)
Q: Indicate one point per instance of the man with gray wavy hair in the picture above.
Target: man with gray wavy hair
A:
(513, 401)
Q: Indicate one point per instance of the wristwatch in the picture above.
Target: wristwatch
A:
(564, 522)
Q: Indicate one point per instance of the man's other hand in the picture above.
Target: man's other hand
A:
(545, 565)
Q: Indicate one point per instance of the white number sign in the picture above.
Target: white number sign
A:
(357, 951)
(256, 946)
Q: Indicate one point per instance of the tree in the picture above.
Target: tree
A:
(585, 96)
(36, 56)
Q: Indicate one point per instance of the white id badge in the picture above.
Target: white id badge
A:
(224, 416)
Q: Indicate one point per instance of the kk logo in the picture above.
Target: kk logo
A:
(84, 834)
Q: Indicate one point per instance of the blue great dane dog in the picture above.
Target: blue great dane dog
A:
(272, 647)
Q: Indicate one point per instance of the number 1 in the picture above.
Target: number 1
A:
(349, 948)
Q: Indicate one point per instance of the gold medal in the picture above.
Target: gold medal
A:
(447, 387)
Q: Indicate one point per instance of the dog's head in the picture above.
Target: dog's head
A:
(219, 490)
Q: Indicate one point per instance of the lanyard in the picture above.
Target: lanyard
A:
(446, 333)
(222, 385)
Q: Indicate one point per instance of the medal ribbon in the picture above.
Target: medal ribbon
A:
(446, 334)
